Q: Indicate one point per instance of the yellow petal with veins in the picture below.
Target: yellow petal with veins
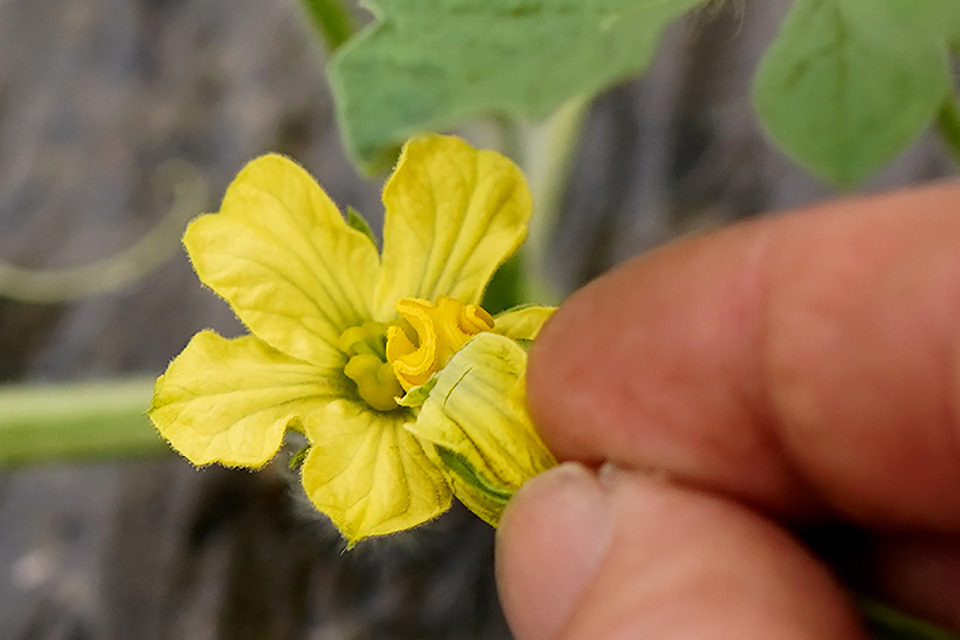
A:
(369, 474)
(230, 401)
(284, 258)
(476, 417)
(453, 215)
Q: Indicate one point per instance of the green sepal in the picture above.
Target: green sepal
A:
(416, 396)
(297, 458)
(355, 220)
(459, 466)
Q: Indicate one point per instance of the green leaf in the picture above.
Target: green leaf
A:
(949, 124)
(848, 84)
(431, 64)
(503, 291)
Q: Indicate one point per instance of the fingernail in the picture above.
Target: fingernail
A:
(551, 540)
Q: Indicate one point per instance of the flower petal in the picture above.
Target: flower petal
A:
(453, 215)
(284, 258)
(368, 473)
(476, 417)
(230, 401)
(522, 323)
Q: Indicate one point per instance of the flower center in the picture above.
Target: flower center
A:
(432, 334)
(386, 361)
(365, 347)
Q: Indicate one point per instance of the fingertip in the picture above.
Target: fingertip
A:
(687, 564)
(805, 363)
(550, 541)
(630, 556)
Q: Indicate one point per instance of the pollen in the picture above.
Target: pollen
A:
(429, 336)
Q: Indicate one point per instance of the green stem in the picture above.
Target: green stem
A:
(43, 423)
(887, 623)
(949, 124)
(549, 151)
(332, 20)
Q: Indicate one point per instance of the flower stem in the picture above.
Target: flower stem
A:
(949, 124)
(332, 19)
(548, 150)
(45, 423)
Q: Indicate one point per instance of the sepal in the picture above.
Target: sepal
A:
(416, 396)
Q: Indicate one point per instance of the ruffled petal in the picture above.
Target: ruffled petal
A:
(453, 215)
(230, 401)
(522, 323)
(284, 258)
(369, 474)
(476, 418)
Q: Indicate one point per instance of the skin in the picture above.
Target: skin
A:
(796, 370)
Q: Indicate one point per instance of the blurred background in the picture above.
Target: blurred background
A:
(97, 98)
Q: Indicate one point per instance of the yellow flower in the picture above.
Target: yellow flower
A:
(346, 345)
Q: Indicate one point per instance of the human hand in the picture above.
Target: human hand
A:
(797, 369)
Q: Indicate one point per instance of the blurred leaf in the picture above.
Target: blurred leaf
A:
(848, 84)
(503, 292)
(331, 19)
(431, 64)
(949, 125)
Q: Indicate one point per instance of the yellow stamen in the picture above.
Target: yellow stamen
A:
(375, 381)
(438, 331)
(365, 347)
(370, 337)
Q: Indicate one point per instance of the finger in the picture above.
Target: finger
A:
(639, 558)
(800, 361)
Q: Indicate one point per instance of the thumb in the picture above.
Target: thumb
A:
(630, 556)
